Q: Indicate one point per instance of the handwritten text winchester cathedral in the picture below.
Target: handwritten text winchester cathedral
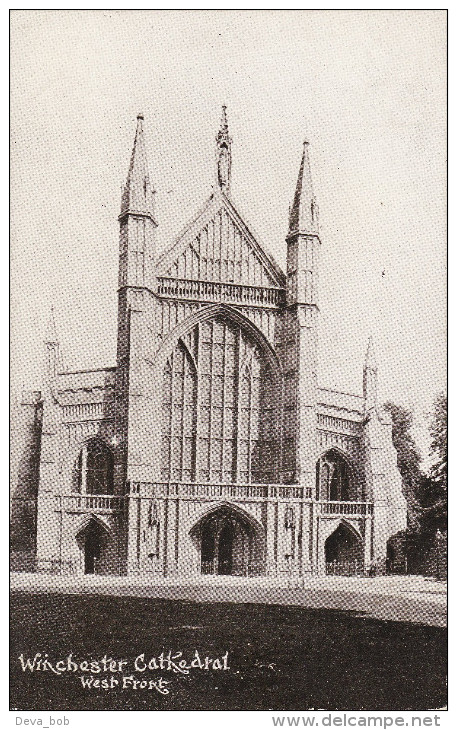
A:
(210, 447)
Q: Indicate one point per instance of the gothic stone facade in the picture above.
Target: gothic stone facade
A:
(210, 447)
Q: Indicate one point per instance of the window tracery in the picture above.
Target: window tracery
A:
(179, 416)
(333, 482)
(227, 432)
(95, 468)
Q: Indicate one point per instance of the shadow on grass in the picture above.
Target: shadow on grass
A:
(280, 657)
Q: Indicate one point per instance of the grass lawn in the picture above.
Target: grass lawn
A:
(280, 657)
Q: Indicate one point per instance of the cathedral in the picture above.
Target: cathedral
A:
(210, 447)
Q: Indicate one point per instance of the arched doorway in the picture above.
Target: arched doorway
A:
(343, 552)
(92, 542)
(229, 544)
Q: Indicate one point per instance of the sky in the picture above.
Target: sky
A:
(367, 89)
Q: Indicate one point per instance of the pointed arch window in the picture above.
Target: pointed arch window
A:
(333, 479)
(179, 402)
(95, 468)
(218, 408)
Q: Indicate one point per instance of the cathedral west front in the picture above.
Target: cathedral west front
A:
(210, 447)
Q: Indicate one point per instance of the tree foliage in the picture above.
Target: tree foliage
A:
(438, 430)
(424, 543)
(433, 494)
(408, 460)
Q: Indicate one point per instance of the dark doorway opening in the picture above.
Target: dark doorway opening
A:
(92, 547)
(229, 545)
(226, 550)
(343, 552)
(208, 546)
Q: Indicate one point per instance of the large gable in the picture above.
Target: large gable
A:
(218, 246)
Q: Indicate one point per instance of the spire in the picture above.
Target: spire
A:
(137, 223)
(370, 377)
(303, 241)
(224, 124)
(224, 154)
(138, 195)
(303, 216)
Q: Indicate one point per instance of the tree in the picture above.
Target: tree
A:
(438, 431)
(433, 496)
(423, 543)
(408, 460)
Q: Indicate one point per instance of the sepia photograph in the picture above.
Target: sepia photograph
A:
(228, 409)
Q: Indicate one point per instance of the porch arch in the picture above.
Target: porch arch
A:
(229, 542)
(236, 508)
(92, 538)
(102, 524)
(344, 550)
